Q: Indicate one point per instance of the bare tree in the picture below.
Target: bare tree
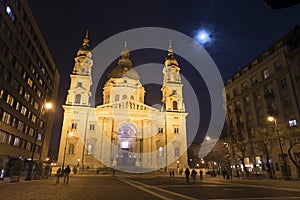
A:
(263, 140)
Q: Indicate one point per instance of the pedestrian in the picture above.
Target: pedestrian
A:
(170, 174)
(201, 174)
(194, 175)
(187, 174)
(173, 173)
(67, 174)
(58, 172)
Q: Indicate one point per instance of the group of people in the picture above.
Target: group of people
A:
(193, 174)
(66, 174)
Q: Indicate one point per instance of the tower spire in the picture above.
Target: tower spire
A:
(85, 44)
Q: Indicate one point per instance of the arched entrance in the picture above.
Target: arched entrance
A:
(126, 155)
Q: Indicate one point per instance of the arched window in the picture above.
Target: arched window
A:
(89, 149)
(160, 151)
(175, 105)
(131, 97)
(117, 97)
(124, 97)
(71, 149)
(77, 98)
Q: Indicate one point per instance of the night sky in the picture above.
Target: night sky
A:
(239, 30)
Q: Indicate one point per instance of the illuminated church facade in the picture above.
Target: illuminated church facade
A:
(123, 132)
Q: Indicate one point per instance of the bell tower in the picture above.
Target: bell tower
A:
(172, 99)
(81, 80)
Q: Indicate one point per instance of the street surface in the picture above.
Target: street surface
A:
(149, 187)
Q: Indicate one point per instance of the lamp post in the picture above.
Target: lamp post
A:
(64, 158)
(45, 106)
(212, 141)
(285, 172)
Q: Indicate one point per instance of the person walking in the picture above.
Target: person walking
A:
(201, 174)
(193, 175)
(58, 172)
(67, 174)
(187, 174)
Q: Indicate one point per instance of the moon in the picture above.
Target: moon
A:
(203, 36)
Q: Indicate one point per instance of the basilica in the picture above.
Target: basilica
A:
(123, 133)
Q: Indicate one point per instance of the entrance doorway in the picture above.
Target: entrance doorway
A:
(126, 155)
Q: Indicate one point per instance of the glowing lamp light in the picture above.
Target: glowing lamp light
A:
(270, 118)
(48, 106)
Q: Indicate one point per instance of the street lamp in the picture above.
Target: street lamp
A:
(208, 138)
(285, 172)
(45, 106)
(78, 160)
(71, 134)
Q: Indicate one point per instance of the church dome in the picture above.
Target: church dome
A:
(124, 71)
(124, 67)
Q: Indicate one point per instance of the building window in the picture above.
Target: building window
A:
(23, 110)
(3, 137)
(292, 122)
(266, 74)
(29, 82)
(283, 83)
(77, 98)
(89, 149)
(10, 100)
(131, 97)
(40, 137)
(244, 86)
(6, 117)
(160, 130)
(17, 142)
(10, 13)
(247, 101)
(160, 152)
(177, 152)
(92, 126)
(71, 149)
(117, 97)
(176, 130)
(124, 97)
(175, 105)
(235, 92)
(74, 125)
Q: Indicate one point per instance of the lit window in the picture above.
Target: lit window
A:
(33, 118)
(10, 100)
(293, 122)
(23, 110)
(29, 82)
(39, 137)
(177, 152)
(266, 74)
(17, 141)
(160, 151)
(71, 149)
(10, 13)
(89, 148)
(125, 145)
